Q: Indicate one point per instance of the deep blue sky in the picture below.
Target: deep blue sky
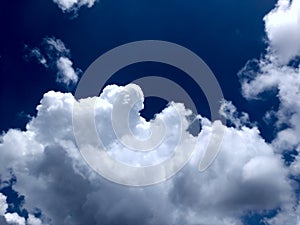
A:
(225, 34)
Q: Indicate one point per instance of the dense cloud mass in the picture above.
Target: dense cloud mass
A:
(247, 174)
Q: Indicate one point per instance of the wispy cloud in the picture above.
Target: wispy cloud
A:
(53, 54)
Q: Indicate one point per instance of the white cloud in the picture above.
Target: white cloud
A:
(14, 219)
(3, 204)
(230, 113)
(66, 73)
(33, 220)
(282, 26)
(247, 174)
(274, 73)
(287, 216)
(73, 5)
(55, 46)
(55, 55)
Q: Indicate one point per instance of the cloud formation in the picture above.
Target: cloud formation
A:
(282, 26)
(278, 72)
(247, 175)
(13, 218)
(73, 5)
(53, 54)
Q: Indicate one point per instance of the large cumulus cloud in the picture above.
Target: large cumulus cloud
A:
(51, 174)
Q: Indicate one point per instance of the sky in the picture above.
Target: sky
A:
(48, 172)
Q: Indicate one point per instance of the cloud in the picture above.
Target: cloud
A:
(66, 73)
(32, 220)
(35, 53)
(230, 113)
(14, 218)
(3, 205)
(288, 216)
(53, 54)
(73, 5)
(275, 74)
(247, 175)
(282, 26)
(55, 47)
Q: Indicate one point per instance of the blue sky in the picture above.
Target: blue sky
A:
(253, 50)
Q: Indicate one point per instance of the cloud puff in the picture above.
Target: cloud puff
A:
(73, 5)
(282, 26)
(53, 54)
(51, 174)
(14, 218)
(66, 73)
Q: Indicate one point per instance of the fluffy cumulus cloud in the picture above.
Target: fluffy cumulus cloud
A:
(282, 26)
(246, 176)
(278, 72)
(53, 54)
(73, 5)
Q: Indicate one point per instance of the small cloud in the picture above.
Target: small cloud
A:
(55, 55)
(230, 113)
(35, 53)
(73, 5)
(66, 73)
(55, 47)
